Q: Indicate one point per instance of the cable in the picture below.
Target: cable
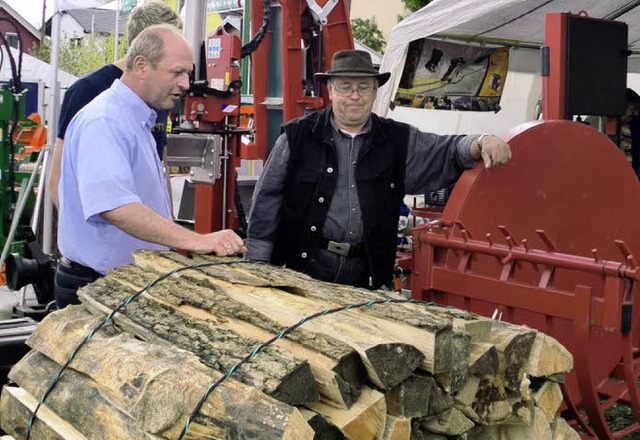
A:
(280, 335)
(252, 45)
(108, 318)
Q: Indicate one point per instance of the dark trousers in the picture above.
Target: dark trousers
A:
(70, 277)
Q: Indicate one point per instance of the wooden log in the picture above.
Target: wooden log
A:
(439, 400)
(365, 420)
(514, 345)
(437, 350)
(276, 371)
(456, 377)
(467, 394)
(539, 429)
(16, 407)
(490, 402)
(451, 422)
(560, 430)
(390, 351)
(157, 385)
(479, 328)
(322, 427)
(397, 428)
(548, 357)
(483, 359)
(548, 398)
(336, 367)
(411, 397)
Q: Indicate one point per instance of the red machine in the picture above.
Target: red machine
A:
(309, 33)
(550, 240)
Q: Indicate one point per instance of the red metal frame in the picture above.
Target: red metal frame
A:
(336, 35)
(576, 283)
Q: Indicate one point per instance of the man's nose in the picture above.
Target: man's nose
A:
(183, 81)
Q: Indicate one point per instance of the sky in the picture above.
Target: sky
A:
(31, 10)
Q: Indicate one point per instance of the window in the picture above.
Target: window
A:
(12, 39)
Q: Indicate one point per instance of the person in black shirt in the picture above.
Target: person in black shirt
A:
(84, 90)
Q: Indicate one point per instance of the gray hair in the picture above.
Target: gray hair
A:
(150, 44)
(150, 13)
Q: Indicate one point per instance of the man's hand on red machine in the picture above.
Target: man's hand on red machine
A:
(491, 149)
(222, 243)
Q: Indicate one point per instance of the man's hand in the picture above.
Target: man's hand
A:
(491, 149)
(223, 243)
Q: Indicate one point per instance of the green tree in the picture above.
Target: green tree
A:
(80, 57)
(414, 5)
(368, 33)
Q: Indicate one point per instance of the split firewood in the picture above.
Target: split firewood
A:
(548, 398)
(397, 428)
(451, 422)
(539, 429)
(560, 430)
(336, 367)
(291, 382)
(157, 386)
(548, 357)
(483, 359)
(514, 345)
(365, 420)
(436, 331)
(410, 398)
(17, 405)
(323, 428)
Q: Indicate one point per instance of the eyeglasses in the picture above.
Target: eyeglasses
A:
(347, 88)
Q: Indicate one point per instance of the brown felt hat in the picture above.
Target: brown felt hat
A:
(353, 63)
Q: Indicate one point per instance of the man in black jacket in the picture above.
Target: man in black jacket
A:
(328, 200)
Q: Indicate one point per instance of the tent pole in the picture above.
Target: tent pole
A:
(47, 219)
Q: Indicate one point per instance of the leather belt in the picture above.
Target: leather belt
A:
(343, 249)
(77, 266)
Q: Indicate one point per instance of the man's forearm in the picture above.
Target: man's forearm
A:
(54, 171)
(144, 223)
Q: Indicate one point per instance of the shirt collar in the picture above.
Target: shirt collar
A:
(141, 111)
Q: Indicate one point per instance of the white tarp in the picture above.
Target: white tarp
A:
(517, 21)
(36, 71)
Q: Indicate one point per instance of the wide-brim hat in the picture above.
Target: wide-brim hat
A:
(356, 63)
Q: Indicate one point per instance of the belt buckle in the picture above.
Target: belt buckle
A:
(339, 248)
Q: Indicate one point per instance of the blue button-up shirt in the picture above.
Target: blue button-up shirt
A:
(108, 161)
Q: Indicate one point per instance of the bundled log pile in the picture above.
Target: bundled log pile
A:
(389, 371)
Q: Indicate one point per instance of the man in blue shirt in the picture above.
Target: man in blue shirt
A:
(113, 196)
(96, 82)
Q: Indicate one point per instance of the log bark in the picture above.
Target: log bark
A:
(16, 406)
(385, 348)
(483, 359)
(411, 397)
(336, 367)
(323, 428)
(514, 345)
(365, 420)
(156, 385)
(276, 372)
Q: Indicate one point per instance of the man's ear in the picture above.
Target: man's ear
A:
(140, 64)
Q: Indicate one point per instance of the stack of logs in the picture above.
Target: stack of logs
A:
(387, 371)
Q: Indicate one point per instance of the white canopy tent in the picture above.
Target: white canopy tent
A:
(518, 24)
(36, 71)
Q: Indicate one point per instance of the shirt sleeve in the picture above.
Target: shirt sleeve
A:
(435, 161)
(264, 217)
(103, 169)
